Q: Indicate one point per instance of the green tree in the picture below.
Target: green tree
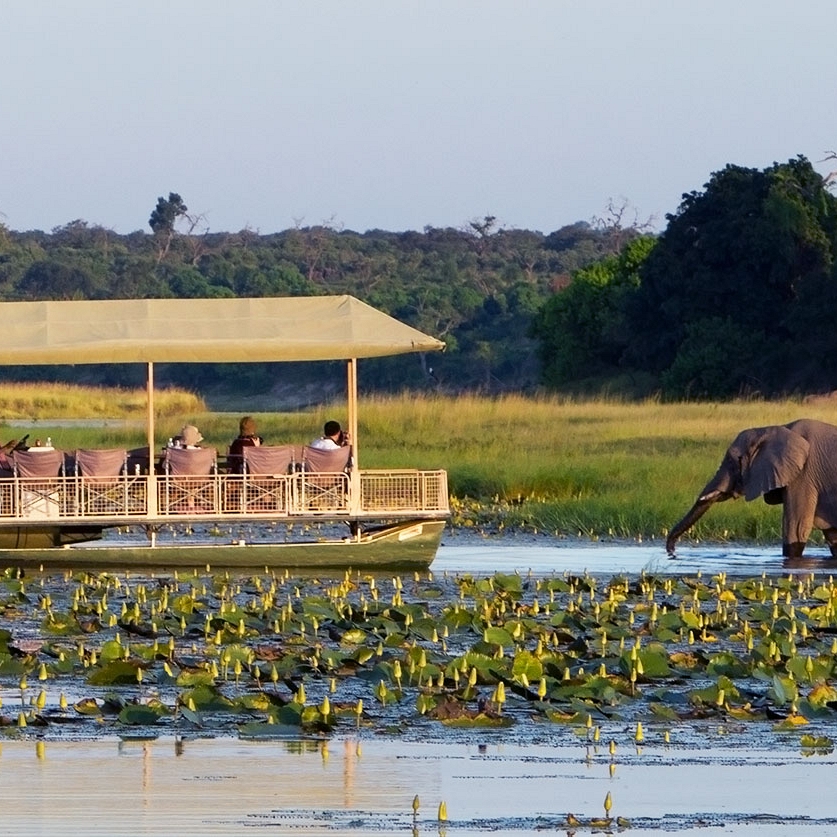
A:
(749, 251)
(163, 219)
(581, 330)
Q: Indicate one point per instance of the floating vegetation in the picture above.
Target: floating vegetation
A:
(272, 655)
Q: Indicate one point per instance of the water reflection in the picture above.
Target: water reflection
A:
(227, 786)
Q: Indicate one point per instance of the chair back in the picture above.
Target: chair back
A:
(38, 463)
(190, 462)
(109, 462)
(268, 459)
(326, 461)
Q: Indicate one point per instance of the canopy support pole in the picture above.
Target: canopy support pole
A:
(151, 481)
(354, 473)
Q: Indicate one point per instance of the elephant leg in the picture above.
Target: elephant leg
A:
(797, 522)
(793, 550)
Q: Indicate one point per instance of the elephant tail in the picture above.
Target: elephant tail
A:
(695, 513)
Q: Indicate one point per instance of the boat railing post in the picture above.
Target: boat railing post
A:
(151, 497)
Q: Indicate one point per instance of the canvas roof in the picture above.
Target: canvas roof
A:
(202, 331)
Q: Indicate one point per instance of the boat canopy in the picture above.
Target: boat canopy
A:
(203, 331)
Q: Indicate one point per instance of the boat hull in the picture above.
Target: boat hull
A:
(408, 545)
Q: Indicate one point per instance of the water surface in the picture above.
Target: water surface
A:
(734, 778)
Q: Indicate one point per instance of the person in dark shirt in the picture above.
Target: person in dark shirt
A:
(247, 437)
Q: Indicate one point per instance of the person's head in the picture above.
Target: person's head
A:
(331, 429)
(247, 426)
(190, 435)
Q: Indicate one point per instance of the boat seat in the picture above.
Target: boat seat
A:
(38, 462)
(41, 485)
(102, 482)
(266, 479)
(324, 481)
(190, 484)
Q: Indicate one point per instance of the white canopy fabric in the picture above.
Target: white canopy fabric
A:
(202, 331)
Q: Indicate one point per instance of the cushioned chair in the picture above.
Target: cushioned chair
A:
(102, 480)
(266, 484)
(190, 483)
(40, 483)
(324, 481)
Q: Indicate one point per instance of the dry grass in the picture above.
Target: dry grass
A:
(39, 401)
(593, 467)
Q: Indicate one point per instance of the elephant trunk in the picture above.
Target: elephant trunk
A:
(695, 513)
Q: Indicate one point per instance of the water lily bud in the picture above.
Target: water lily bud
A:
(640, 735)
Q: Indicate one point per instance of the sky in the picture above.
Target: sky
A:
(397, 115)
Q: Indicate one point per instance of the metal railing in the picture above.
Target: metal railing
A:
(377, 493)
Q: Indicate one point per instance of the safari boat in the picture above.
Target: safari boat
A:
(56, 507)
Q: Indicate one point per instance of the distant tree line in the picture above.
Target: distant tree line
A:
(477, 288)
(737, 295)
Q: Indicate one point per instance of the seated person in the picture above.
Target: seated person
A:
(333, 437)
(189, 437)
(6, 465)
(247, 438)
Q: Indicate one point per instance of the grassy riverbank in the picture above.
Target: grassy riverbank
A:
(591, 468)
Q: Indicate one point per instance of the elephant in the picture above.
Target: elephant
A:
(790, 464)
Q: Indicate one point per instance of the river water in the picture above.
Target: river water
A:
(491, 783)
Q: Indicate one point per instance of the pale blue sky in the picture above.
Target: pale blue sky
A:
(396, 115)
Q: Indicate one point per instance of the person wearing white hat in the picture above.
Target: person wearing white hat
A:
(190, 437)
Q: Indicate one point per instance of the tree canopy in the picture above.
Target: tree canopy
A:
(729, 299)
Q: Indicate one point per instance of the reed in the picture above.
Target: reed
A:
(596, 468)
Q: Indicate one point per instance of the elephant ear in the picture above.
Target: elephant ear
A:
(777, 459)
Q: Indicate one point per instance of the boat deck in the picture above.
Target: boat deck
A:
(158, 498)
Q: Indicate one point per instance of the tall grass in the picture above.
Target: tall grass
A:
(599, 468)
(38, 401)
